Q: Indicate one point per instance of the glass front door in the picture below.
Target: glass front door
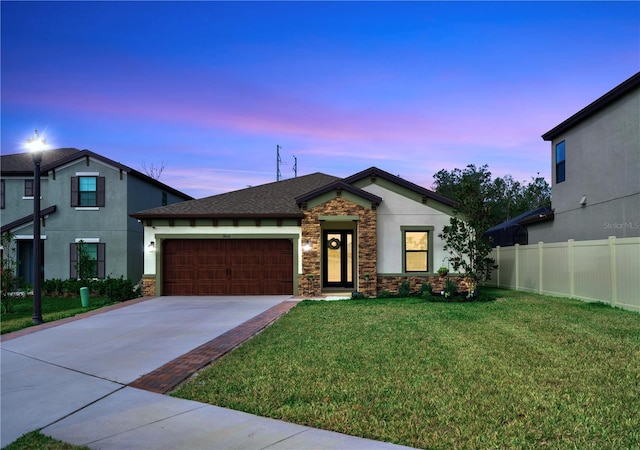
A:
(338, 258)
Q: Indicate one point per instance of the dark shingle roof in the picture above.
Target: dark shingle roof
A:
(21, 164)
(277, 199)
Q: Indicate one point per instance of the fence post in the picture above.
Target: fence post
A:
(614, 275)
(498, 264)
(517, 256)
(571, 269)
(540, 267)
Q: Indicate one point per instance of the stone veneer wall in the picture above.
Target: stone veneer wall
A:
(392, 283)
(148, 286)
(366, 235)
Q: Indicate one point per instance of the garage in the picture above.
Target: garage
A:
(227, 267)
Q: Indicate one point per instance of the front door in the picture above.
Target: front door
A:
(338, 258)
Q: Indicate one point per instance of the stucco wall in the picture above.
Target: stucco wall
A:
(110, 224)
(395, 212)
(603, 163)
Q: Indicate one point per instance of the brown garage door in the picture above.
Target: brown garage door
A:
(227, 267)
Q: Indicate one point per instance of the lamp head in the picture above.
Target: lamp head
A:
(36, 145)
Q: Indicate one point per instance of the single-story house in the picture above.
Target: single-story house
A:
(310, 235)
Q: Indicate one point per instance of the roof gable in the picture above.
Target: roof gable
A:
(339, 186)
(373, 173)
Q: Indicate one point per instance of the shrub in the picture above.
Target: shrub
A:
(357, 295)
(120, 289)
(114, 289)
(450, 289)
(404, 290)
(385, 294)
(426, 290)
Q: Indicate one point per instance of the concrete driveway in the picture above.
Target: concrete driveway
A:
(72, 381)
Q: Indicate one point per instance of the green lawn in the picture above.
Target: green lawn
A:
(53, 308)
(525, 371)
(38, 441)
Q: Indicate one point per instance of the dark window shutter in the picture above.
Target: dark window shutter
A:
(73, 260)
(101, 264)
(28, 188)
(100, 191)
(75, 187)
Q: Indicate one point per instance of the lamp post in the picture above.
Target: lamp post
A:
(36, 146)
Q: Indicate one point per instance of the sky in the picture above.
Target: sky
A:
(208, 90)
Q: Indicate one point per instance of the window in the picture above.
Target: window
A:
(560, 162)
(164, 199)
(416, 251)
(1, 194)
(95, 265)
(28, 188)
(87, 191)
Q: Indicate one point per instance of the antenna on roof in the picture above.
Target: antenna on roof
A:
(295, 166)
(279, 161)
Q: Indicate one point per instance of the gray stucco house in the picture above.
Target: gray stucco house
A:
(595, 171)
(311, 235)
(84, 197)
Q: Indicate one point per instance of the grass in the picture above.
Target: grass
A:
(53, 308)
(38, 441)
(526, 371)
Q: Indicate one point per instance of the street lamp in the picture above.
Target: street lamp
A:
(36, 146)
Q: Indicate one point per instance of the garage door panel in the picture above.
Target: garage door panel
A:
(229, 266)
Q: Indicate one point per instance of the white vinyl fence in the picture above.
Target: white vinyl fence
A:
(605, 270)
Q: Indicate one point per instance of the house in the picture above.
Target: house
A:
(595, 170)
(84, 197)
(514, 231)
(302, 236)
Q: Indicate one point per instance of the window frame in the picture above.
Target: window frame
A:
(76, 197)
(100, 259)
(429, 252)
(28, 188)
(560, 165)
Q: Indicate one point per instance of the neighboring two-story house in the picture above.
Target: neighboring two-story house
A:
(84, 197)
(595, 171)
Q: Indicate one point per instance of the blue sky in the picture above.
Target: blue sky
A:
(208, 89)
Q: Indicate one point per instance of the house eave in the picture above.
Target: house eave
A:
(616, 93)
(144, 216)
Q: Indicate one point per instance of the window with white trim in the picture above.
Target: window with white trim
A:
(87, 191)
(96, 260)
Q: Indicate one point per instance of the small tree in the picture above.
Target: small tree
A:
(463, 236)
(8, 279)
(469, 252)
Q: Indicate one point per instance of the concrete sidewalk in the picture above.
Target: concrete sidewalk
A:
(75, 380)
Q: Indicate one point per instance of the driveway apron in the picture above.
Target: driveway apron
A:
(72, 381)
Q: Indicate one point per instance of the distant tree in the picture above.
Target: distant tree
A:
(153, 171)
(504, 197)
